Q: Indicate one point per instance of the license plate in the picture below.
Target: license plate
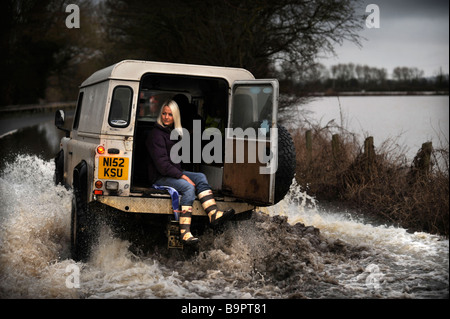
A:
(113, 168)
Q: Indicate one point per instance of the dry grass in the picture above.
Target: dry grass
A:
(383, 185)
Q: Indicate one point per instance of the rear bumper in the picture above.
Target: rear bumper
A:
(163, 205)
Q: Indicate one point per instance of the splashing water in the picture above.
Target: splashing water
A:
(272, 255)
(34, 229)
(394, 264)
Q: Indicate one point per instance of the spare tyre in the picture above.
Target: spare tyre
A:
(286, 163)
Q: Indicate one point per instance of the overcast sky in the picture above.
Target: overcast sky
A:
(412, 33)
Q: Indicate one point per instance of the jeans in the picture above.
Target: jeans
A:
(184, 188)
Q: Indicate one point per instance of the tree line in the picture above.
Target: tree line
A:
(352, 77)
(42, 59)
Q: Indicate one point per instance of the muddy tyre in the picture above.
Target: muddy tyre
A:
(84, 217)
(286, 163)
(83, 229)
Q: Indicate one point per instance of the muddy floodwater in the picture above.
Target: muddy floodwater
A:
(296, 249)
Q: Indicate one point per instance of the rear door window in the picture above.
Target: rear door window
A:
(120, 110)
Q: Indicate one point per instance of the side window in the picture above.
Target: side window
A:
(119, 112)
(76, 121)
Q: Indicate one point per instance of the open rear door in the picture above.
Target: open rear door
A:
(251, 142)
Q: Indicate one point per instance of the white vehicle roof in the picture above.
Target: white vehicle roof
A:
(133, 70)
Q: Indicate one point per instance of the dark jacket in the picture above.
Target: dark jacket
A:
(158, 145)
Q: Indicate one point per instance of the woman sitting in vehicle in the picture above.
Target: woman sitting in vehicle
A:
(164, 172)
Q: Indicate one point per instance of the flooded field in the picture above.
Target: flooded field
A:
(296, 249)
(292, 250)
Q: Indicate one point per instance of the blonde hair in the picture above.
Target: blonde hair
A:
(175, 113)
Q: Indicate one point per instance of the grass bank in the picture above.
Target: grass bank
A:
(376, 181)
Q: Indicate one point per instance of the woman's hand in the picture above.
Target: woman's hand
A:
(188, 180)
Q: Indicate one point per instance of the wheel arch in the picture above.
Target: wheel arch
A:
(80, 176)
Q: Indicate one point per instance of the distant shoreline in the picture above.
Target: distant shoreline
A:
(37, 107)
(380, 93)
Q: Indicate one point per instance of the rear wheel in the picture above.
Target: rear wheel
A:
(83, 230)
(84, 217)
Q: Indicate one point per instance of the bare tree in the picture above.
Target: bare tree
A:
(242, 33)
(407, 74)
(31, 47)
(41, 58)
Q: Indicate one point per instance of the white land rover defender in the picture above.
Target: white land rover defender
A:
(104, 158)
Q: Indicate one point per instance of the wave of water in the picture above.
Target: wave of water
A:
(273, 255)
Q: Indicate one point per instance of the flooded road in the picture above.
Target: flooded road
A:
(296, 249)
(30, 133)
